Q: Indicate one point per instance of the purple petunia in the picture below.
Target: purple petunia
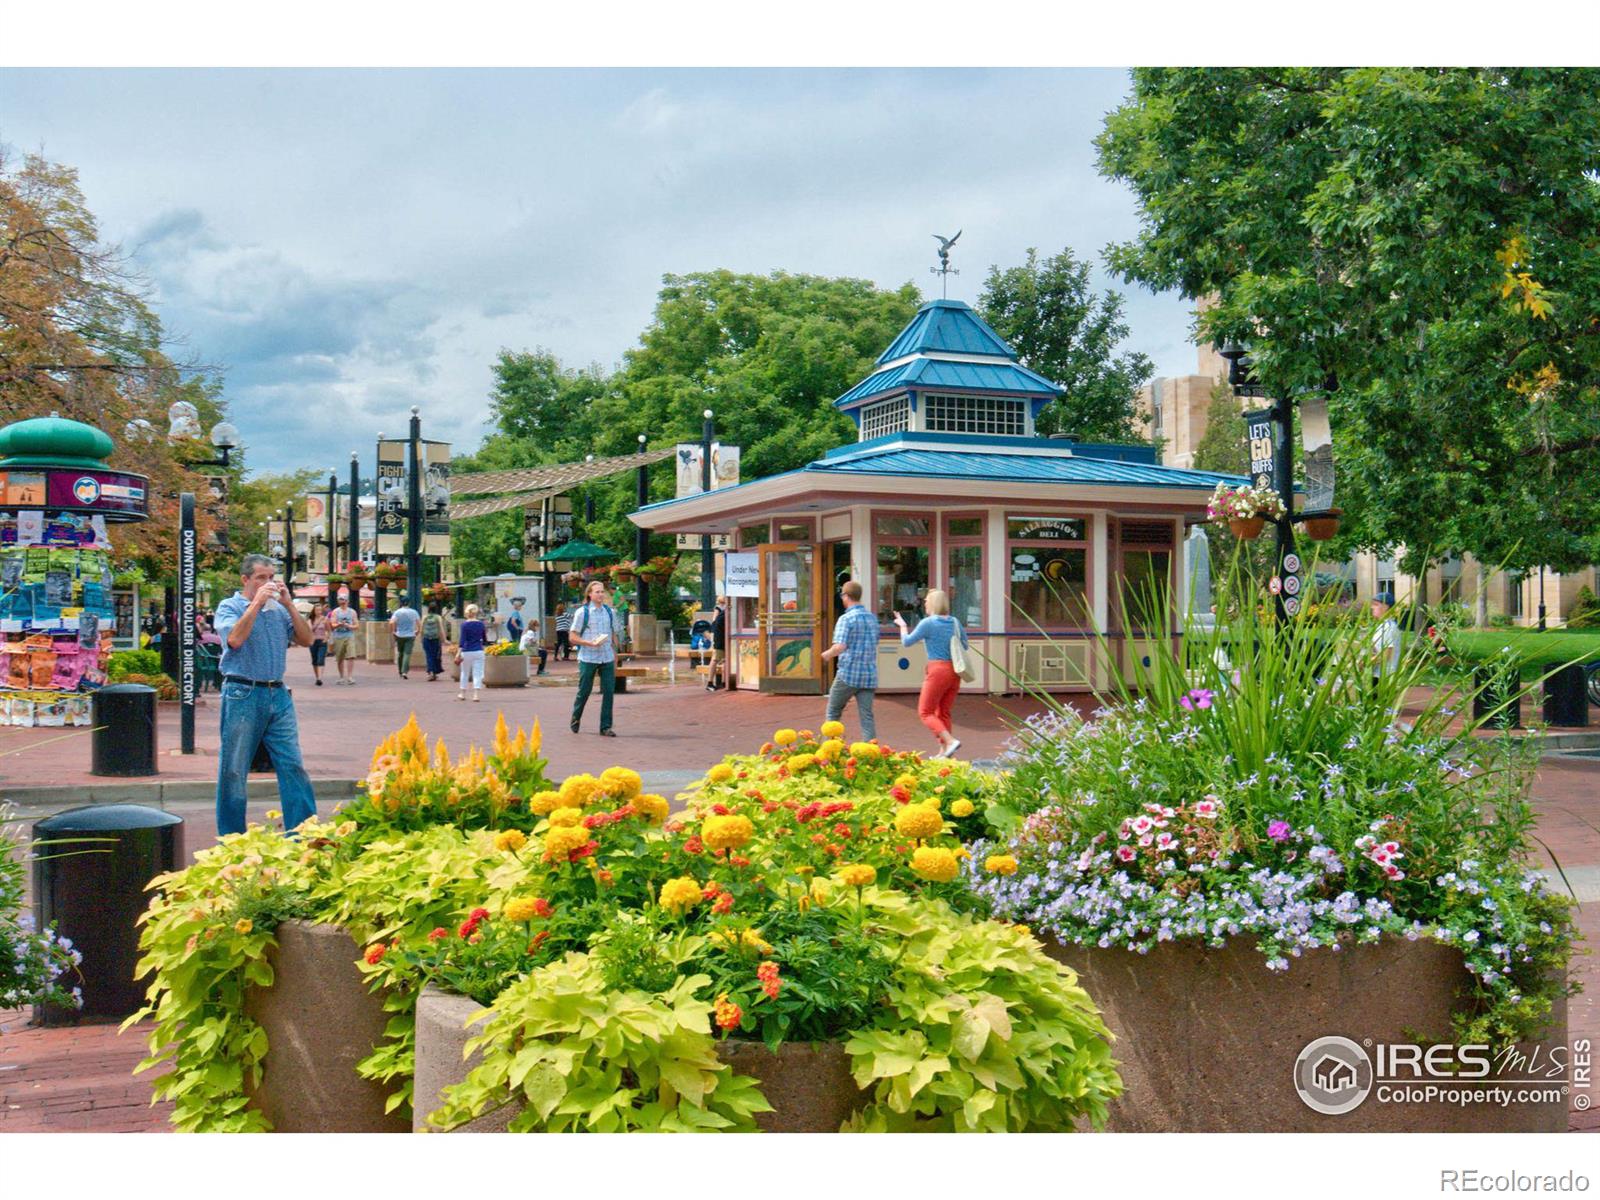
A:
(1279, 831)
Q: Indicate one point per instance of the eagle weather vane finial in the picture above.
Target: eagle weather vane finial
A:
(944, 270)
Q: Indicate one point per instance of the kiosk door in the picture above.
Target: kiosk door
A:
(789, 618)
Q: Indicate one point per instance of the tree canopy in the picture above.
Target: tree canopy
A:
(1423, 245)
(1062, 328)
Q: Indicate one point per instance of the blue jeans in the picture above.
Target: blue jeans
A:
(433, 648)
(608, 681)
(251, 716)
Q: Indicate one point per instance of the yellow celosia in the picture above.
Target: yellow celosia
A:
(961, 808)
(784, 737)
(651, 807)
(833, 729)
(541, 803)
(863, 750)
(621, 783)
(535, 738)
(918, 821)
(720, 773)
(1000, 864)
(680, 894)
(857, 874)
(441, 756)
(578, 790)
(502, 735)
(566, 818)
(935, 863)
(525, 909)
(562, 840)
(726, 833)
(510, 839)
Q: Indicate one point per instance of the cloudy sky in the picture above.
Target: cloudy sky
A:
(346, 244)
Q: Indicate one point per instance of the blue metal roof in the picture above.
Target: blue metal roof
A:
(941, 373)
(1000, 467)
(948, 325)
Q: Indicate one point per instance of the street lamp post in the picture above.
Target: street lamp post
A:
(352, 531)
(708, 582)
(641, 539)
(414, 517)
(1243, 382)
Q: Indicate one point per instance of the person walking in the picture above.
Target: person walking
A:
(433, 630)
(1385, 640)
(257, 625)
(470, 641)
(516, 625)
(855, 645)
(563, 633)
(342, 625)
(594, 630)
(716, 675)
(940, 682)
(318, 620)
(404, 621)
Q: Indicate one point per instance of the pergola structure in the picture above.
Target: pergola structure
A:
(526, 487)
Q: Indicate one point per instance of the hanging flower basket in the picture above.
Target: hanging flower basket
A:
(1244, 508)
(624, 572)
(1246, 528)
(570, 577)
(1323, 525)
(336, 578)
(437, 593)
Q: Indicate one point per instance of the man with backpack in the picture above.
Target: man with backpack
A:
(595, 632)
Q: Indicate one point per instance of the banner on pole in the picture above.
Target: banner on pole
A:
(1317, 436)
(391, 492)
(436, 499)
(1263, 456)
(314, 506)
(724, 467)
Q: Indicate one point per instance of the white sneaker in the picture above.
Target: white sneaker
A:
(950, 750)
(461, 695)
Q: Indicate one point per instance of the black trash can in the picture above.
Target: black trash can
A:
(1494, 689)
(1566, 699)
(124, 738)
(93, 892)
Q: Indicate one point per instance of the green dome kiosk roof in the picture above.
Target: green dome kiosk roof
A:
(53, 441)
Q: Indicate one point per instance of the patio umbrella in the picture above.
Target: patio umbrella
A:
(578, 552)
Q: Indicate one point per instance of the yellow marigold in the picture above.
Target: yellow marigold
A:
(935, 863)
(242, 925)
(525, 909)
(748, 937)
(832, 748)
(863, 750)
(857, 874)
(918, 821)
(833, 729)
(543, 803)
(562, 840)
(577, 790)
(566, 817)
(1000, 864)
(961, 808)
(510, 839)
(620, 782)
(909, 782)
(651, 807)
(720, 773)
(680, 894)
(801, 761)
(726, 833)
(785, 737)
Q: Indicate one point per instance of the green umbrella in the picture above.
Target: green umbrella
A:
(578, 552)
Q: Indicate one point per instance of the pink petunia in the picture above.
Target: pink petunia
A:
(1126, 853)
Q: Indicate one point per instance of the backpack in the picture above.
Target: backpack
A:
(432, 625)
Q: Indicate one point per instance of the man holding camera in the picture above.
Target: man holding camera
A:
(257, 625)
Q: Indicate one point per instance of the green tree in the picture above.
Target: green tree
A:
(1222, 447)
(1421, 245)
(1068, 332)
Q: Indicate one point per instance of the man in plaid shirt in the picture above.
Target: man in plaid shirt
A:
(855, 645)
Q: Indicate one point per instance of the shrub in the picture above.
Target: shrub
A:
(165, 685)
(132, 662)
(1585, 610)
(36, 966)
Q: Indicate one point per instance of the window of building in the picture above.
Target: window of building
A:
(963, 560)
(1514, 593)
(1450, 580)
(902, 566)
(960, 527)
(1048, 567)
(885, 417)
(1146, 590)
(793, 531)
(753, 535)
(975, 414)
(901, 526)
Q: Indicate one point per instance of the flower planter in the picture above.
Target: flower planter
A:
(1207, 1037)
(505, 670)
(808, 1084)
(1321, 526)
(320, 1021)
(1246, 528)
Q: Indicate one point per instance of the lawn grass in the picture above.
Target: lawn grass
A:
(1538, 651)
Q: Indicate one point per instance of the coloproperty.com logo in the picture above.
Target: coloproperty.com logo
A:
(1335, 1075)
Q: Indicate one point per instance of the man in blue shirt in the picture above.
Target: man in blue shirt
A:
(404, 621)
(855, 645)
(257, 624)
(595, 633)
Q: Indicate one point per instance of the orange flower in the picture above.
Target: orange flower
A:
(728, 1014)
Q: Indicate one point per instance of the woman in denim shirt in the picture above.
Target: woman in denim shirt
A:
(941, 683)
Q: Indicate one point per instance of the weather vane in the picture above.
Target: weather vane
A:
(944, 270)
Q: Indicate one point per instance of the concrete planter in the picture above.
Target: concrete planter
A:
(808, 1084)
(505, 670)
(320, 1022)
(1208, 1038)
(379, 641)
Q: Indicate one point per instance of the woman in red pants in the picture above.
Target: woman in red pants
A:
(941, 683)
